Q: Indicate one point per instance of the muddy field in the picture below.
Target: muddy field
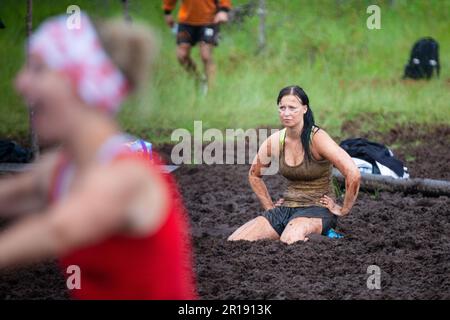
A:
(407, 236)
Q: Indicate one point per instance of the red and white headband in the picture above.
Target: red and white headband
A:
(79, 54)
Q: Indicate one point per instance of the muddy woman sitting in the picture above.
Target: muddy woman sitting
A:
(306, 155)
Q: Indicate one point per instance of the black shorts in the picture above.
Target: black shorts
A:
(187, 33)
(279, 217)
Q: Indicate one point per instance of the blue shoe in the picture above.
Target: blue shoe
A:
(333, 234)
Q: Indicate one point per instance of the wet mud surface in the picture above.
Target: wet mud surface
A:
(406, 236)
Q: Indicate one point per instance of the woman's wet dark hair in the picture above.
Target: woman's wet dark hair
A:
(308, 117)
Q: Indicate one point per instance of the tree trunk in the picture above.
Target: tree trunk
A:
(32, 133)
(262, 25)
(375, 182)
(126, 11)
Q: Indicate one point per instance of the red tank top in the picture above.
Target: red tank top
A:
(157, 266)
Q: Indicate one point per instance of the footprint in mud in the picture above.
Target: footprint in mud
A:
(192, 171)
(319, 238)
(230, 207)
(207, 198)
(222, 231)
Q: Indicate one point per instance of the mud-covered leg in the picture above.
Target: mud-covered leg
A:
(256, 229)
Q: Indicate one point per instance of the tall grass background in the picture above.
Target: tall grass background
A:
(324, 46)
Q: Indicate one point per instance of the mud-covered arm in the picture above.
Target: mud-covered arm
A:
(330, 150)
(261, 161)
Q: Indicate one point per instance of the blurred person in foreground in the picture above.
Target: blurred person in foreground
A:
(198, 21)
(92, 203)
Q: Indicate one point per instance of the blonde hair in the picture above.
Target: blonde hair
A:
(132, 48)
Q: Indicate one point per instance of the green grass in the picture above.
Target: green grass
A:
(324, 46)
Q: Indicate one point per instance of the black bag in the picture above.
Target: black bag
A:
(424, 59)
(10, 151)
(2, 25)
(373, 152)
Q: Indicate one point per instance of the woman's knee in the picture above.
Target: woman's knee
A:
(256, 229)
(296, 230)
(291, 236)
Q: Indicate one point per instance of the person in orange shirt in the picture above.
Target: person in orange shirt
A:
(198, 21)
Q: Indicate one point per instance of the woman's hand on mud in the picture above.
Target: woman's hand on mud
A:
(279, 202)
(329, 203)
